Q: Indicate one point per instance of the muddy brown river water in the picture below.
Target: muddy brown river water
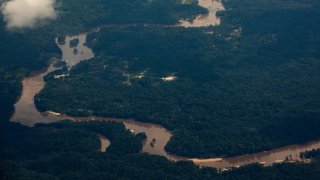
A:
(209, 19)
(27, 114)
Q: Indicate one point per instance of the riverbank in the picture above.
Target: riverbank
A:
(154, 131)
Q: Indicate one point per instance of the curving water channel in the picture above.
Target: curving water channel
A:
(25, 110)
(74, 50)
(27, 114)
(209, 19)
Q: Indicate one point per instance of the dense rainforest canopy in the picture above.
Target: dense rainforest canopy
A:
(247, 85)
(23, 51)
(70, 151)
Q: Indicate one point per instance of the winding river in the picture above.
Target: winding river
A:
(209, 19)
(74, 51)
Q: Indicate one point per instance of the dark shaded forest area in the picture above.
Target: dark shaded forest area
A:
(69, 150)
(248, 85)
(23, 51)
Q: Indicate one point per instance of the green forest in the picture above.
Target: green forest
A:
(23, 51)
(69, 150)
(248, 85)
(244, 86)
